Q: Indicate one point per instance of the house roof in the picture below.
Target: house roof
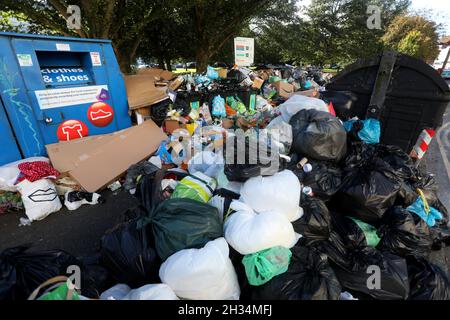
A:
(445, 40)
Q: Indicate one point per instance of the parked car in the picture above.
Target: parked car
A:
(191, 65)
(446, 74)
(179, 66)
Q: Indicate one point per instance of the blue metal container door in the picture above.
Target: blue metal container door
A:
(15, 100)
(9, 151)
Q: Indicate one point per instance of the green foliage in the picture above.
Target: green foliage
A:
(338, 29)
(327, 31)
(411, 43)
(413, 35)
(202, 29)
(121, 21)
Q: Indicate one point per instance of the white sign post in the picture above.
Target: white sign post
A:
(244, 51)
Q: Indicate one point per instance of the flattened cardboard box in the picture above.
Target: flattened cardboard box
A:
(65, 155)
(101, 163)
(157, 74)
(115, 157)
(142, 92)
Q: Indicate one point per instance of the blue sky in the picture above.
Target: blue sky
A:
(439, 10)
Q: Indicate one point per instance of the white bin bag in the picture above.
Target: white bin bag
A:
(280, 193)
(202, 274)
(248, 232)
(281, 133)
(118, 292)
(8, 178)
(208, 163)
(39, 198)
(121, 291)
(298, 102)
(158, 291)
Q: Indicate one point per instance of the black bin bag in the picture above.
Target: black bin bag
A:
(149, 189)
(182, 223)
(127, 250)
(353, 232)
(342, 101)
(428, 185)
(318, 135)
(95, 278)
(324, 179)
(244, 285)
(368, 192)
(250, 157)
(427, 281)
(309, 277)
(333, 248)
(371, 185)
(399, 160)
(393, 277)
(315, 223)
(440, 232)
(22, 271)
(403, 233)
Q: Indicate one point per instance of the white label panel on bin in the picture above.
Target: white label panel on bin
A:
(95, 58)
(55, 98)
(25, 60)
(63, 47)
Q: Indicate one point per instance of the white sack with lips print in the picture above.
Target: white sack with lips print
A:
(39, 198)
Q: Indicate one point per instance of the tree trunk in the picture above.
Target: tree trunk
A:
(161, 62)
(125, 65)
(124, 62)
(202, 57)
(169, 65)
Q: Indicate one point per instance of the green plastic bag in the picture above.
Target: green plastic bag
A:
(60, 293)
(197, 187)
(236, 104)
(273, 79)
(58, 289)
(183, 223)
(370, 233)
(262, 266)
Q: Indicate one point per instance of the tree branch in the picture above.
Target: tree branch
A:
(111, 4)
(62, 10)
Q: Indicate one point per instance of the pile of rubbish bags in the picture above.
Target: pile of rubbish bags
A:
(295, 204)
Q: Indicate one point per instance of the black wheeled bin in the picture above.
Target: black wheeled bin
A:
(404, 93)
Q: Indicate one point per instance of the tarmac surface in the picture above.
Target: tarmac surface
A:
(437, 159)
(79, 232)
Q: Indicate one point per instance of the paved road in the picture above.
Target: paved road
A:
(437, 159)
(77, 232)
